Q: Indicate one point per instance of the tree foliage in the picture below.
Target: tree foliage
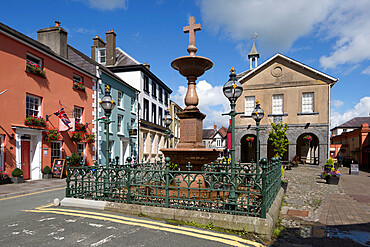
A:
(278, 139)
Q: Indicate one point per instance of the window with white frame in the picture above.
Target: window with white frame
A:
(218, 142)
(133, 104)
(78, 111)
(119, 123)
(160, 94)
(160, 115)
(56, 151)
(34, 61)
(278, 104)
(101, 56)
(133, 123)
(33, 105)
(154, 113)
(154, 89)
(249, 105)
(119, 100)
(81, 151)
(165, 98)
(146, 110)
(146, 84)
(307, 102)
(77, 79)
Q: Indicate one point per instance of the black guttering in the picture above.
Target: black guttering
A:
(43, 48)
(143, 69)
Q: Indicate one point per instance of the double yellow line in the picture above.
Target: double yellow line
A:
(198, 233)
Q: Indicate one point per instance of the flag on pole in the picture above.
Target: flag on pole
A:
(63, 116)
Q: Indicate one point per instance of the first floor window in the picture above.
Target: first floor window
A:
(278, 104)
(81, 151)
(218, 142)
(249, 105)
(154, 113)
(146, 110)
(146, 84)
(78, 111)
(33, 104)
(133, 103)
(56, 151)
(160, 113)
(307, 102)
(119, 123)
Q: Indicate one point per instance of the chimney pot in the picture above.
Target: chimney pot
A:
(147, 66)
(57, 23)
(215, 127)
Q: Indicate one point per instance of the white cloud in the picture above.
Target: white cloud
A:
(366, 71)
(210, 98)
(278, 22)
(83, 30)
(337, 103)
(108, 4)
(361, 109)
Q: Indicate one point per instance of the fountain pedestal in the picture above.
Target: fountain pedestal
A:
(191, 148)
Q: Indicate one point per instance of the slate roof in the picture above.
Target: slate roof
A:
(355, 122)
(123, 59)
(208, 133)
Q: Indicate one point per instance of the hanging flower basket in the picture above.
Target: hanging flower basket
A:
(35, 121)
(76, 136)
(90, 138)
(80, 127)
(250, 140)
(52, 135)
(308, 139)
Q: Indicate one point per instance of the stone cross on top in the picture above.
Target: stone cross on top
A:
(191, 29)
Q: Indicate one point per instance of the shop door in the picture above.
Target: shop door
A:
(25, 159)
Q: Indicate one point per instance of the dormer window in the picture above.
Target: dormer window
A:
(101, 56)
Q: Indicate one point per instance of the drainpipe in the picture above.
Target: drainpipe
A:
(329, 112)
(97, 99)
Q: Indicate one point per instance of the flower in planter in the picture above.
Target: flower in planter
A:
(37, 121)
(78, 85)
(52, 135)
(334, 173)
(35, 69)
(90, 138)
(76, 136)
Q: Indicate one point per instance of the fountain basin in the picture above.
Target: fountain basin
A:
(192, 65)
(196, 156)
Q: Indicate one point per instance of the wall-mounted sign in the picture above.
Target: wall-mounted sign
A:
(63, 127)
(132, 132)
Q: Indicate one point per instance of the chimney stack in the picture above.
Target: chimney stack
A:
(54, 37)
(111, 48)
(97, 43)
(147, 66)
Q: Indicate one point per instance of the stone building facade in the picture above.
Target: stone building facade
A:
(288, 92)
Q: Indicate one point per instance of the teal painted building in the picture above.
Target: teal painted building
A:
(123, 129)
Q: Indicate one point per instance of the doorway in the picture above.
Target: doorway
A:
(25, 158)
(125, 150)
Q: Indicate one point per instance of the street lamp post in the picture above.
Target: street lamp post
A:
(107, 104)
(232, 90)
(257, 115)
(167, 121)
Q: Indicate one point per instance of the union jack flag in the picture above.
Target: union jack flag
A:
(63, 116)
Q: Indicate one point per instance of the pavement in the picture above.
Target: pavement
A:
(343, 216)
(30, 186)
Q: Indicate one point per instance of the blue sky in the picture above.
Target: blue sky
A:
(329, 35)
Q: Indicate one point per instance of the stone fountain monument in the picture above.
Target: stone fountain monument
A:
(190, 147)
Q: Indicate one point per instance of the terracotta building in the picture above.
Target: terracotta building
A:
(289, 92)
(351, 141)
(40, 80)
